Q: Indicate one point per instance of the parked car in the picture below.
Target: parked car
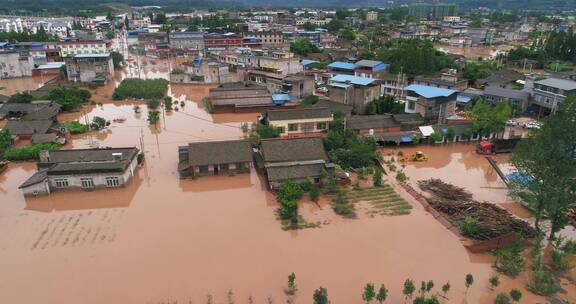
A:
(533, 125)
(511, 123)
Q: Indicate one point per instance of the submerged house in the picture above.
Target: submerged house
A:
(238, 97)
(295, 159)
(299, 122)
(86, 169)
(214, 157)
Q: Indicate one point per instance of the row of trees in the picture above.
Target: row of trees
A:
(39, 36)
(553, 46)
(69, 98)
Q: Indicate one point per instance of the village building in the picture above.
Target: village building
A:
(353, 90)
(15, 63)
(187, 42)
(36, 110)
(72, 48)
(202, 71)
(215, 41)
(548, 93)
(342, 68)
(297, 86)
(434, 104)
(214, 157)
(370, 68)
(85, 169)
(151, 43)
(268, 38)
(446, 80)
(95, 68)
(295, 159)
(299, 122)
(518, 99)
(372, 125)
(240, 97)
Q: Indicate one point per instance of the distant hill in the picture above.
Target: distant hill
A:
(40, 5)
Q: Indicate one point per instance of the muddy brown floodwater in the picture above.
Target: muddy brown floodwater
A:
(161, 238)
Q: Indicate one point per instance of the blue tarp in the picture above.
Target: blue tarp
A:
(519, 178)
(280, 99)
(406, 139)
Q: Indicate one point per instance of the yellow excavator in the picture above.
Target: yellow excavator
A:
(417, 156)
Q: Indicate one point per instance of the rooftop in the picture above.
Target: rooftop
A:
(219, 152)
(358, 122)
(342, 65)
(507, 93)
(562, 84)
(294, 114)
(28, 127)
(429, 92)
(356, 80)
(293, 149)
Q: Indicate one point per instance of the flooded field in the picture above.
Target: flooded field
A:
(164, 239)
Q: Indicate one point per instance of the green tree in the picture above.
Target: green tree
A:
(153, 103)
(369, 293)
(321, 296)
(309, 100)
(377, 177)
(168, 103)
(314, 193)
(494, 281)
(291, 284)
(502, 298)
(308, 26)
(409, 289)
(548, 158)
(126, 22)
(117, 60)
(267, 131)
(98, 123)
(382, 294)
(469, 280)
(516, 295)
(5, 140)
(446, 288)
(23, 97)
(487, 119)
(303, 47)
(348, 34)
(384, 105)
(153, 117)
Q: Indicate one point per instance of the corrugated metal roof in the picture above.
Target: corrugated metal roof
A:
(342, 65)
(307, 62)
(429, 92)
(562, 84)
(104, 55)
(357, 80)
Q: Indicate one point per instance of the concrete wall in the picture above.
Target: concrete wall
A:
(14, 65)
(301, 122)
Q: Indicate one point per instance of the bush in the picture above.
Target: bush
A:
(401, 177)
(208, 105)
(168, 103)
(117, 60)
(153, 117)
(435, 137)
(140, 88)
(98, 123)
(28, 152)
(177, 71)
(377, 178)
(543, 283)
(69, 98)
(469, 227)
(153, 103)
(515, 294)
(314, 193)
(75, 127)
(502, 298)
(266, 131)
(510, 261)
(559, 255)
(289, 191)
(342, 205)
(309, 100)
(5, 140)
(24, 97)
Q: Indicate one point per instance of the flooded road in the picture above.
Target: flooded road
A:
(164, 239)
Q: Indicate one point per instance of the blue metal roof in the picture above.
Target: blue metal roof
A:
(406, 139)
(429, 92)
(357, 80)
(280, 99)
(342, 65)
(308, 63)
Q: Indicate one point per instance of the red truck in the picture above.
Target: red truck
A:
(494, 146)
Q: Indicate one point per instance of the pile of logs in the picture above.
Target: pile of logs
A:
(456, 204)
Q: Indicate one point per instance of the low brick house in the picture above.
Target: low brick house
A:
(214, 157)
(299, 122)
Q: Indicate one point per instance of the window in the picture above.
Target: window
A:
(61, 183)
(321, 126)
(292, 127)
(87, 183)
(282, 130)
(240, 166)
(112, 181)
(203, 169)
(224, 167)
(411, 105)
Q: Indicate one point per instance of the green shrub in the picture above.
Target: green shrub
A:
(469, 227)
(515, 294)
(208, 105)
(75, 127)
(342, 205)
(140, 88)
(289, 191)
(28, 152)
(153, 103)
(435, 137)
(98, 123)
(543, 283)
(177, 71)
(560, 254)
(401, 177)
(314, 193)
(153, 117)
(510, 261)
(69, 98)
(266, 131)
(502, 298)
(168, 103)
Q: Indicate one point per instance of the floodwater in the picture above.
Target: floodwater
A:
(11, 86)
(163, 239)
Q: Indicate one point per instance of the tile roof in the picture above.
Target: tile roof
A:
(36, 178)
(44, 138)
(293, 149)
(429, 92)
(368, 63)
(91, 155)
(219, 152)
(358, 122)
(298, 113)
(506, 93)
(28, 127)
(356, 80)
(296, 172)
